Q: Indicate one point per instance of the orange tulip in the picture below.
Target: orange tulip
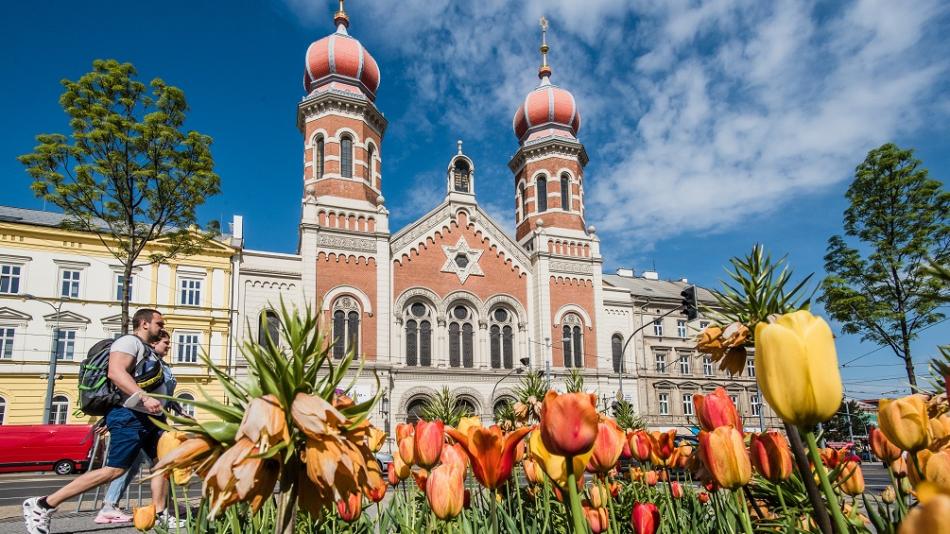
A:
(662, 446)
(715, 410)
(391, 475)
(454, 454)
(407, 450)
(851, 478)
(420, 476)
(144, 518)
(683, 453)
(676, 490)
(831, 458)
(607, 447)
(724, 455)
(597, 519)
(402, 468)
(771, 455)
(934, 468)
(375, 439)
(882, 447)
(904, 421)
(899, 466)
(940, 431)
(445, 490)
(404, 430)
(350, 507)
(532, 471)
(569, 423)
(930, 516)
(378, 492)
(641, 445)
(491, 452)
(626, 452)
(703, 497)
(645, 518)
(428, 442)
(651, 478)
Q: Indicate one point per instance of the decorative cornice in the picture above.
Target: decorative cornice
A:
(354, 244)
(572, 267)
(548, 147)
(341, 102)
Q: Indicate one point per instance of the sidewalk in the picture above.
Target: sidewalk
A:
(68, 522)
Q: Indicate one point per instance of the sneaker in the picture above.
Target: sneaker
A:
(112, 515)
(169, 521)
(36, 516)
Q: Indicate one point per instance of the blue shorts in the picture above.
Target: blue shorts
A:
(129, 433)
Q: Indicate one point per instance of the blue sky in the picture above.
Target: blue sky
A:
(710, 125)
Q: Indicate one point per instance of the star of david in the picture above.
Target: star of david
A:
(462, 260)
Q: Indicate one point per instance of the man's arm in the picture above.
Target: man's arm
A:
(119, 363)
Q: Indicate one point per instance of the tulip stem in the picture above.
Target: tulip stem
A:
(901, 505)
(743, 510)
(798, 450)
(611, 524)
(840, 523)
(781, 500)
(577, 515)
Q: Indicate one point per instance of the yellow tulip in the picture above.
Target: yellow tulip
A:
(940, 432)
(556, 466)
(375, 439)
(797, 368)
(930, 516)
(904, 421)
(144, 518)
(467, 423)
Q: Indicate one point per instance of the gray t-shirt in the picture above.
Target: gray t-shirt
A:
(130, 344)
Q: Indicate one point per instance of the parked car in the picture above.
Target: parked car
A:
(64, 449)
(384, 460)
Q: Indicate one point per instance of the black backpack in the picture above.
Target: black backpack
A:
(97, 394)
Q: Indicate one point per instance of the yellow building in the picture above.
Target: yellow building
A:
(60, 291)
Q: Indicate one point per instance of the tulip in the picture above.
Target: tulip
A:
(532, 471)
(771, 456)
(445, 490)
(724, 455)
(899, 467)
(404, 430)
(391, 475)
(930, 516)
(676, 490)
(882, 447)
(467, 423)
(651, 478)
(662, 446)
(454, 454)
(597, 519)
(797, 368)
(569, 422)
(940, 431)
(934, 468)
(645, 518)
(664, 476)
(420, 476)
(889, 496)
(350, 508)
(904, 421)
(715, 410)
(626, 452)
(428, 442)
(598, 496)
(851, 478)
(377, 492)
(375, 439)
(264, 423)
(492, 453)
(641, 445)
(607, 447)
(683, 454)
(401, 468)
(555, 466)
(407, 450)
(703, 497)
(144, 518)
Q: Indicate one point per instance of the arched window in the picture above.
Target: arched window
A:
(565, 192)
(616, 346)
(414, 410)
(318, 158)
(346, 156)
(501, 336)
(500, 405)
(187, 407)
(542, 191)
(346, 327)
(466, 406)
(461, 176)
(573, 341)
(58, 410)
(3, 410)
(268, 326)
(461, 336)
(371, 165)
(418, 334)
(524, 201)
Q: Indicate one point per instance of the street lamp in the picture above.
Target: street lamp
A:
(630, 338)
(524, 364)
(51, 380)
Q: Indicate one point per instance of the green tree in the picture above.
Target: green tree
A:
(881, 288)
(836, 428)
(127, 171)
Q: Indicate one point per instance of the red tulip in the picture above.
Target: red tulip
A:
(641, 446)
(676, 490)
(626, 452)
(716, 410)
(445, 490)
(351, 507)
(428, 442)
(882, 447)
(704, 497)
(771, 455)
(404, 430)
(391, 475)
(607, 447)
(491, 452)
(378, 492)
(568, 423)
(645, 518)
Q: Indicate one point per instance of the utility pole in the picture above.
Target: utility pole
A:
(847, 411)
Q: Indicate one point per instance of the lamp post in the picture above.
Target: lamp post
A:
(524, 364)
(51, 379)
(623, 351)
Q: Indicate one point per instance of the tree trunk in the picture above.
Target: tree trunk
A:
(126, 284)
(908, 360)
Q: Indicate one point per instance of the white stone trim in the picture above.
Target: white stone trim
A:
(569, 308)
(341, 290)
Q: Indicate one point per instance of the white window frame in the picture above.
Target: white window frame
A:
(73, 282)
(118, 287)
(189, 290)
(750, 367)
(187, 409)
(7, 338)
(69, 342)
(658, 327)
(663, 403)
(684, 363)
(14, 274)
(755, 404)
(187, 347)
(659, 359)
(681, 327)
(735, 400)
(687, 404)
(708, 368)
(59, 411)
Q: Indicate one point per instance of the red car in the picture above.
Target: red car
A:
(61, 448)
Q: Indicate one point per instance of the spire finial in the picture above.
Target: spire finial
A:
(545, 70)
(340, 18)
(459, 143)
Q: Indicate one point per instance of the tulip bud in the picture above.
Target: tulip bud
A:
(641, 446)
(407, 450)
(651, 478)
(724, 455)
(144, 518)
(715, 410)
(428, 442)
(596, 518)
(905, 423)
(351, 507)
(598, 496)
(676, 490)
(645, 518)
(607, 447)
(797, 368)
(704, 497)
(851, 478)
(445, 490)
(882, 447)
(889, 496)
(375, 439)
(532, 471)
(771, 456)
(568, 423)
(391, 475)
(404, 430)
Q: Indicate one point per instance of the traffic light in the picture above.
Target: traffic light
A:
(690, 305)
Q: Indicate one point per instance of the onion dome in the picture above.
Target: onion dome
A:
(548, 108)
(340, 61)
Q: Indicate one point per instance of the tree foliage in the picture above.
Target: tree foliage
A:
(882, 287)
(127, 171)
(836, 428)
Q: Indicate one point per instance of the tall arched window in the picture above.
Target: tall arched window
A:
(187, 407)
(371, 165)
(565, 192)
(466, 406)
(58, 410)
(346, 327)
(542, 191)
(524, 201)
(346, 156)
(418, 335)
(461, 336)
(318, 158)
(414, 410)
(501, 336)
(461, 176)
(269, 325)
(573, 341)
(616, 347)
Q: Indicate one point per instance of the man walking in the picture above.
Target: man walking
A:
(131, 431)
